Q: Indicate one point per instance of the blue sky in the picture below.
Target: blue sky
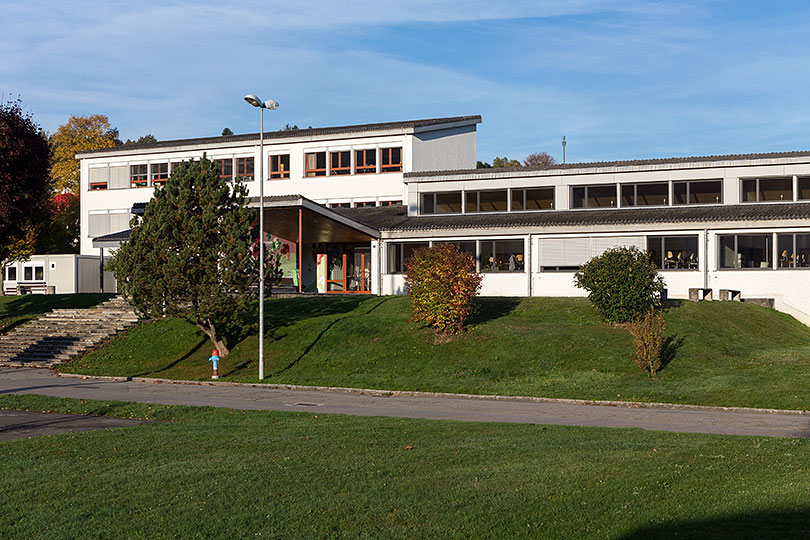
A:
(620, 79)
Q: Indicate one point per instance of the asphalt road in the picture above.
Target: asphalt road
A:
(694, 420)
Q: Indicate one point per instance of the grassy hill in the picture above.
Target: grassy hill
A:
(15, 310)
(718, 353)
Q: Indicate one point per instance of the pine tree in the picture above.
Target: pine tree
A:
(192, 255)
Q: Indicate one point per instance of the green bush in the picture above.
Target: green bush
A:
(442, 286)
(648, 341)
(623, 284)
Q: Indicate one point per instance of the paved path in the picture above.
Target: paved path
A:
(697, 420)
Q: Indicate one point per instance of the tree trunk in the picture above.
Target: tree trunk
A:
(219, 343)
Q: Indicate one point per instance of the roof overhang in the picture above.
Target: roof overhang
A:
(317, 223)
(111, 240)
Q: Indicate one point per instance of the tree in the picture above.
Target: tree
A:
(538, 160)
(288, 127)
(144, 139)
(442, 286)
(61, 233)
(504, 162)
(24, 185)
(483, 165)
(226, 132)
(79, 134)
(190, 256)
(623, 284)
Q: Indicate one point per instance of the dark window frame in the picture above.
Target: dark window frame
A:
(768, 251)
(433, 195)
(361, 161)
(514, 191)
(667, 263)
(758, 189)
(586, 196)
(242, 165)
(222, 165)
(789, 262)
(387, 163)
(316, 171)
(342, 165)
(477, 194)
(635, 186)
(276, 166)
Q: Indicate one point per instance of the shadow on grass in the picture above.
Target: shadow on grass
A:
(489, 309)
(666, 305)
(34, 304)
(173, 363)
(670, 348)
(759, 525)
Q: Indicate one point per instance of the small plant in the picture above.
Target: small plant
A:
(622, 283)
(648, 341)
(442, 286)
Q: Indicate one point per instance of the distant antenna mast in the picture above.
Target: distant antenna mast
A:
(563, 143)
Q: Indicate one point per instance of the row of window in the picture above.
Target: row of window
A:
(30, 273)
(614, 195)
(363, 204)
(156, 174)
(667, 252)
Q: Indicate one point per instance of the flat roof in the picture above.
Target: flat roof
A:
(407, 126)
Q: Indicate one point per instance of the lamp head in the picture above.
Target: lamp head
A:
(271, 104)
(254, 100)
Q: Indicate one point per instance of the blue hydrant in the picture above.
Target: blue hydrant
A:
(215, 360)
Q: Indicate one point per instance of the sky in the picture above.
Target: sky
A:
(620, 79)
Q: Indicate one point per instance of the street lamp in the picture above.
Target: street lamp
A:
(262, 105)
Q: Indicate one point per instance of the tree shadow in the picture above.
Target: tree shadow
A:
(173, 363)
(491, 308)
(670, 348)
(750, 525)
(668, 304)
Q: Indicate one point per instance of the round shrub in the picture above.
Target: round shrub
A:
(442, 286)
(623, 284)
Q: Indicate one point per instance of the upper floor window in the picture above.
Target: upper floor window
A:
(767, 189)
(340, 205)
(486, 201)
(225, 168)
(138, 175)
(244, 168)
(340, 163)
(597, 196)
(11, 273)
(159, 173)
(280, 166)
(98, 178)
(365, 161)
(533, 199)
(699, 192)
(446, 202)
(646, 194)
(361, 204)
(390, 159)
(390, 203)
(804, 188)
(315, 164)
(793, 250)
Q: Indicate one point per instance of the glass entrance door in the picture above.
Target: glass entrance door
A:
(349, 269)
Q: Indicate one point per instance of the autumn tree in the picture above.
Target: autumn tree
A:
(538, 159)
(60, 234)
(24, 185)
(79, 134)
(190, 256)
(504, 162)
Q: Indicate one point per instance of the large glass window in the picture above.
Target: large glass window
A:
(11, 273)
(804, 188)
(767, 189)
(98, 178)
(698, 192)
(674, 252)
(533, 199)
(244, 168)
(600, 196)
(447, 202)
(399, 253)
(138, 175)
(159, 173)
(365, 161)
(793, 250)
(745, 251)
(486, 201)
(225, 167)
(280, 166)
(315, 164)
(340, 163)
(390, 159)
(501, 256)
(647, 194)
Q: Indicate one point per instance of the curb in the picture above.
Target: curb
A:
(448, 395)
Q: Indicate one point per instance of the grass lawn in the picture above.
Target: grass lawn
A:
(220, 473)
(720, 353)
(15, 310)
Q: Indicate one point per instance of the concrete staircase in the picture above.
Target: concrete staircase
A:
(63, 334)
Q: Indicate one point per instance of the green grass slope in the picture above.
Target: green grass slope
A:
(219, 473)
(718, 353)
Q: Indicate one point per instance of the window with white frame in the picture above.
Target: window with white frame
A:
(568, 254)
(11, 273)
(745, 250)
(101, 222)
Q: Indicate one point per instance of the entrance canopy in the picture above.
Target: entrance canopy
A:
(299, 219)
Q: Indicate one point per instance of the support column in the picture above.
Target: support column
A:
(300, 249)
(101, 269)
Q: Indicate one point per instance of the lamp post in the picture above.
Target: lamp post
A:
(262, 105)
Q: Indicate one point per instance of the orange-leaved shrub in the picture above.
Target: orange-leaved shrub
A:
(442, 285)
(648, 341)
